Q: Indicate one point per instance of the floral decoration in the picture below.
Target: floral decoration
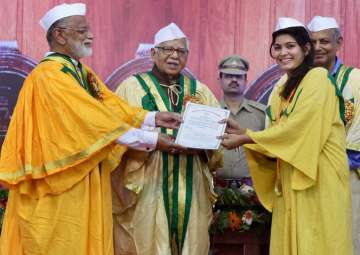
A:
(93, 83)
(3, 201)
(237, 207)
(192, 99)
(349, 111)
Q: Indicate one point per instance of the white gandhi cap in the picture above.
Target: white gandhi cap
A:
(168, 33)
(319, 23)
(286, 22)
(61, 11)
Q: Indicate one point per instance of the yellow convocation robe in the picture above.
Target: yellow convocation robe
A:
(56, 160)
(348, 81)
(141, 225)
(313, 214)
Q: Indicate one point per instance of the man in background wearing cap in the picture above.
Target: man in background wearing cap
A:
(249, 114)
(66, 135)
(163, 204)
(327, 40)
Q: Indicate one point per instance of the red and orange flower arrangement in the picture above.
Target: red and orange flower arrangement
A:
(237, 207)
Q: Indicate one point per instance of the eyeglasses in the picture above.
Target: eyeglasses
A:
(81, 31)
(170, 50)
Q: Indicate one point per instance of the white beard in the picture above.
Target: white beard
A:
(80, 50)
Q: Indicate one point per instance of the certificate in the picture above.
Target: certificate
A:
(201, 127)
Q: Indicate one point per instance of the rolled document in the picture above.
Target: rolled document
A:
(201, 127)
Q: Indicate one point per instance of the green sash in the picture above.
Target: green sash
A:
(340, 81)
(285, 112)
(69, 67)
(342, 76)
(177, 202)
(338, 90)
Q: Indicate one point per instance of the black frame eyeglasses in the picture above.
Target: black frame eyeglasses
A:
(170, 50)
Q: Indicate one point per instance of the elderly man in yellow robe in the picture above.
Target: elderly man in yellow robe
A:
(163, 202)
(67, 133)
(327, 39)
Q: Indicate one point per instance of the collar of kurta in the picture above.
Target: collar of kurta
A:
(336, 67)
(86, 79)
(76, 63)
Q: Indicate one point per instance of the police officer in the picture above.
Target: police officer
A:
(249, 114)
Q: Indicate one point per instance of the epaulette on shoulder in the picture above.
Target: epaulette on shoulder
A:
(257, 105)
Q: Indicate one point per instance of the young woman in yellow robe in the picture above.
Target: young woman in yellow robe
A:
(298, 164)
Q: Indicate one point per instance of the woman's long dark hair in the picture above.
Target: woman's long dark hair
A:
(302, 37)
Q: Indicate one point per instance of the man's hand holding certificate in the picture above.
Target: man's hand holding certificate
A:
(201, 127)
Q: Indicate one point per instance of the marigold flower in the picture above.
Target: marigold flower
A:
(192, 99)
(234, 221)
(93, 83)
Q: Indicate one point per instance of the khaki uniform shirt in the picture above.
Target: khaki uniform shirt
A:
(251, 115)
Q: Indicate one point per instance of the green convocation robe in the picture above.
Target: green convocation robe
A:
(162, 204)
(313, 214)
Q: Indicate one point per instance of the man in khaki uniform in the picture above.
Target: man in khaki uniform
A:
(249, 114)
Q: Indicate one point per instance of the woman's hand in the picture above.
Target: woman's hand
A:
(231, 141)
(233, 127)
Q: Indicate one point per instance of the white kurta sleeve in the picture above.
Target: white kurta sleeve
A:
(139, 139)
(149, 121)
